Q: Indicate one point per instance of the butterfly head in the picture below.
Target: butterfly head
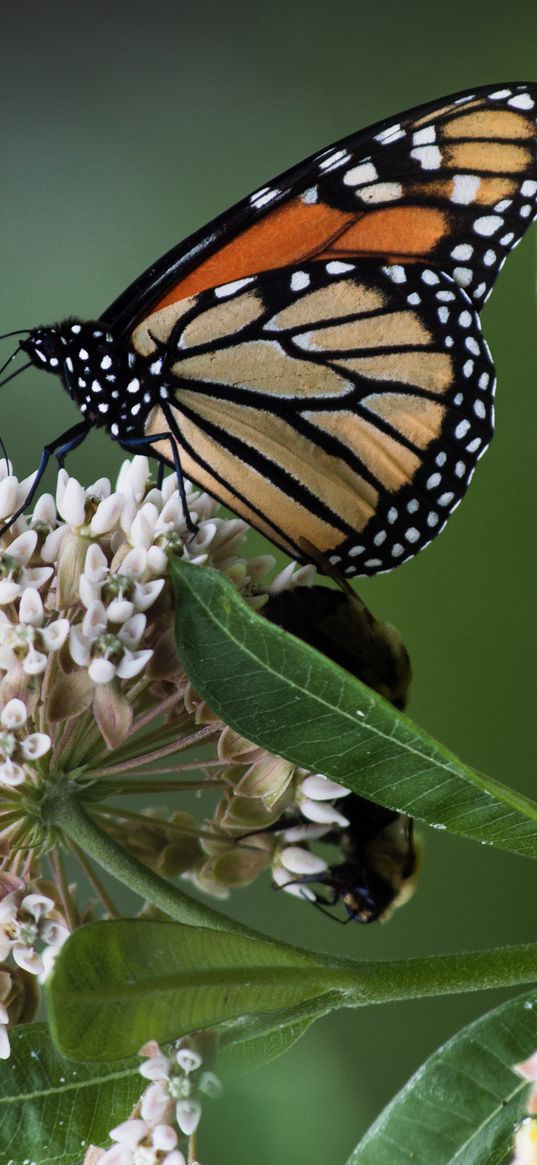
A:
(103, 377)
(72, 350)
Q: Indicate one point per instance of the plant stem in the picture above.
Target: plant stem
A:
(68, 812)
(398, 979)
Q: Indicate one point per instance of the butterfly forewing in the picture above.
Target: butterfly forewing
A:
(452, 184)
(342, 405)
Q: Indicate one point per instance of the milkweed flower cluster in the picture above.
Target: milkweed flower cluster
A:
(92, 691)
(168, 1112)
(32, 930)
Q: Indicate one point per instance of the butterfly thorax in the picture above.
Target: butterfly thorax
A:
(113, 386)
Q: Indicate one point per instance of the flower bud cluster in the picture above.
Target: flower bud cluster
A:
(269, 814)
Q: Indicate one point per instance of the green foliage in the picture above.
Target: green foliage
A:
(163, 980)
(287, 697)
(51, 1109)
(463, 1104)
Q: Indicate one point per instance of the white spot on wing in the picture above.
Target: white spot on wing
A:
(266, 194)
(334, 160)
(299, 280)
(522, 101)
(488, 224)
(336, 267)
(425, 136)
(462, 251)
(465, 188)
(310, 195)
(361, 174)
(429, 157)
(380, 192)
(396, 273)
(463, 276)
(231, 288)
(391, 134)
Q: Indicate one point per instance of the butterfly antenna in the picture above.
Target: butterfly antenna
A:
(13, 374)
(19, 332)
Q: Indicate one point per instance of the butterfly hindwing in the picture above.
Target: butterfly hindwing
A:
(344, 404)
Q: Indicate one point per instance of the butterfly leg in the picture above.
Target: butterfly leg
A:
(137, 444)
(58, 449)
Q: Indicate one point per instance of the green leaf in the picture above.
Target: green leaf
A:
(288, 698)
(50, 1108)
(463, 1104)
(117, 984)
(251, 1041)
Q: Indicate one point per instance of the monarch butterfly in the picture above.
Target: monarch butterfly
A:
(314, 357)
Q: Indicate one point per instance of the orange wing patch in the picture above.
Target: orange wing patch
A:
(290, 234)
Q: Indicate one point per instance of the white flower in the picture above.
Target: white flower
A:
(281, 878)
(156, 1105)
(15, 575)
(132, 477)
(11, 774)
(9, 494)
(293, 576)
(16, 745)
(70, 500)
(301, 861)
(107, 514)
(31, 639)
(14, 715)
(187, 1115)
(36, 745)
(188, 1059)
(321, 788)
(27, 921)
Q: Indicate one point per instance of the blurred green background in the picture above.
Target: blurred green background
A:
(126, 125)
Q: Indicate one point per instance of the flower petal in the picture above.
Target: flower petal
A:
(73, 503)
(301, 861)
(37, 905)
(132, 663)
(11, 774)
(53, 636)
(101, 671)
(187, 1114)
(107, 514)
(320, 788)
(27, 958)
(14, 714)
